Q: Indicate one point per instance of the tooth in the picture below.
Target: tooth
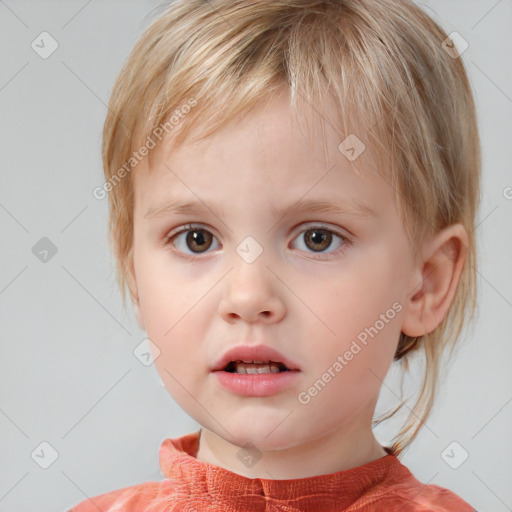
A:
(268, 369)
(246, 368)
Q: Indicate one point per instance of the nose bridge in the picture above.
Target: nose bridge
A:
(250, 275)
(251, 290)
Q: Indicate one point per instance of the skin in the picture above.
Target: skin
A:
(307, 301)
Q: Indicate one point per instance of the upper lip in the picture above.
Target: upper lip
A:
(250, 353)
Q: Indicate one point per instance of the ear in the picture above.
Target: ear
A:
(439, 270)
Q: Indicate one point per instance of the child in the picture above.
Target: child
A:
(279, 272)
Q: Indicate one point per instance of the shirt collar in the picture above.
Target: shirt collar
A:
(197, 479)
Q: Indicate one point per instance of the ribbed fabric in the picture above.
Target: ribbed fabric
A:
(191, 485)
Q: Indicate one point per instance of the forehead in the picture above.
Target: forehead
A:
(262, 153)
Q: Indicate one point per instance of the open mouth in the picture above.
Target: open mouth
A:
(255, 367)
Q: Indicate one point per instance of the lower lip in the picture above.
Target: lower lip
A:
(256, 384)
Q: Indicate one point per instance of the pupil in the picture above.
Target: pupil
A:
(314, 236)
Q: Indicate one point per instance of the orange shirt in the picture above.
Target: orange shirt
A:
(191, 485)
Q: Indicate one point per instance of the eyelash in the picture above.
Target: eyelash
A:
(192, 227)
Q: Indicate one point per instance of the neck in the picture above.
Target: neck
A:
(339, 450)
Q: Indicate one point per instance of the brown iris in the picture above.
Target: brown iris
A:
(200, 238)
(318, 236)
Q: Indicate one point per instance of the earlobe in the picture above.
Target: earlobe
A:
(429, 301)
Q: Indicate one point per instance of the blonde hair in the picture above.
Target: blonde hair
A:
(381, 61)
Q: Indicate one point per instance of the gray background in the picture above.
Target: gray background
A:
(68, 373)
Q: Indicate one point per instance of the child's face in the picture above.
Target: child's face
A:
(309, 294)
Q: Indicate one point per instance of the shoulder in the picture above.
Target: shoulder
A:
(404, 492)
(130, 498)
(431, 499)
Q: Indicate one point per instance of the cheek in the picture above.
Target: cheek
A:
(165, 293)
(357, 299)
(362, 310)
(166, 306)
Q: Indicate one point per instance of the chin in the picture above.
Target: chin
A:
(268, 435)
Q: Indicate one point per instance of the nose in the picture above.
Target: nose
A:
(252, 294)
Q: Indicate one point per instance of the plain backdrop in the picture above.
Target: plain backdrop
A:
(80, 415)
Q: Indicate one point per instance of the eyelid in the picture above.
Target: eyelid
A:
(188, 227)
(305, 226)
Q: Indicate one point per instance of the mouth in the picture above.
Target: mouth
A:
(254, 360)
(255, 367)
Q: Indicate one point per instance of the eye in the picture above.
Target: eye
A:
(198, 240)
(319, 238)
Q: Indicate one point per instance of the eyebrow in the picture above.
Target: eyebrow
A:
(345, 207)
